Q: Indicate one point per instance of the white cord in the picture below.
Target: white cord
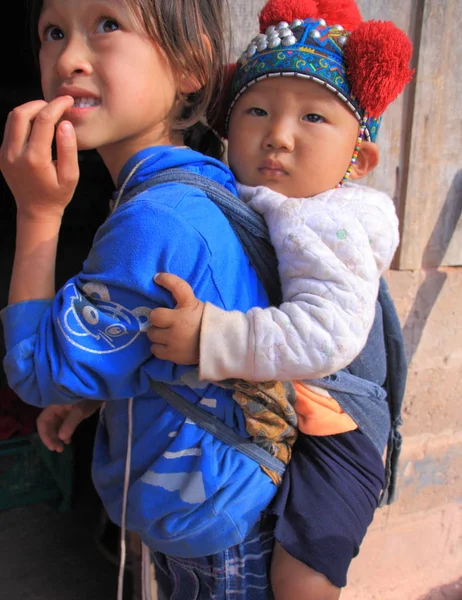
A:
(128, 460)
(146, 592)
(126, 180)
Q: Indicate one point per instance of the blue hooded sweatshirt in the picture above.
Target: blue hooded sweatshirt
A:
(189, 494)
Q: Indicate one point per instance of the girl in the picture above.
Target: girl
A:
(127, 78)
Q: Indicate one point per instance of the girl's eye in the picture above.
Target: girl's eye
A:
(107, 25)
(313, 118)
(52, 34)
(257, 112)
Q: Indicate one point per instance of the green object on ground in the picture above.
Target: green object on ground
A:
(30, 473)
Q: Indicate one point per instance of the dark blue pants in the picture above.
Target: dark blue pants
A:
(327, 501)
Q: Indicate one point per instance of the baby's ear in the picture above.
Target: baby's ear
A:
(366, 161)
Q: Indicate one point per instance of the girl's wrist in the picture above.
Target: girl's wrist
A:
(33, 274)
(41, 218)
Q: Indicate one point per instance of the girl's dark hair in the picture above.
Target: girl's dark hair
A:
(181, 28)
(202, 137)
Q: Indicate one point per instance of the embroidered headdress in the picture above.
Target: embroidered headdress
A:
(365, 63)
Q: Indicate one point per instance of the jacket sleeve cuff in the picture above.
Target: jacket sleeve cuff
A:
(227, 345)
(21, 320)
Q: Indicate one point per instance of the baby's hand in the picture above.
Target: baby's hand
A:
(175, 332)
(56, 423)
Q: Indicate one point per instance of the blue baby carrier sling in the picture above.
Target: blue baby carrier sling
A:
(357, 381)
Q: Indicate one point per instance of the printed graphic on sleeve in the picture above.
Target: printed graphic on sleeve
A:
(95, 323)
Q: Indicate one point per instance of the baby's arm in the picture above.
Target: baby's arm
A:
(331, 258)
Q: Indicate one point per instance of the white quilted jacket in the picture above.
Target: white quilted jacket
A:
(332, 250)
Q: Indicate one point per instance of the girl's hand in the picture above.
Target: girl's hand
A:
(41, 186)
(175, 332)
(56, 423)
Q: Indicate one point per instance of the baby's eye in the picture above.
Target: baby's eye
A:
(106, 25)
(52, 34)
(257, 112)
(313, 118)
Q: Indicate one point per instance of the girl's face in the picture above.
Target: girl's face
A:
(125, 92)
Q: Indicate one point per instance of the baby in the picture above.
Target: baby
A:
(302, 115)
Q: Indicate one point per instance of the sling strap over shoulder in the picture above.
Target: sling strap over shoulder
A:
(247, 224)
(251, 230)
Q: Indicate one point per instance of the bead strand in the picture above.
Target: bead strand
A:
(362, 131)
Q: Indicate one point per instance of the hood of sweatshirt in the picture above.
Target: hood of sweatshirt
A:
(145, 163)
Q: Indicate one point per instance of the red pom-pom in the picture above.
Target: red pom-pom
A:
(334, 12)
(340, 12)
(276, 11)
(377, 56)
(218, 111)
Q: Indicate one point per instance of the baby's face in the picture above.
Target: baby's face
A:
(291, 135)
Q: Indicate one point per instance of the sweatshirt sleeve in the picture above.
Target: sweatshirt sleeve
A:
(331, 250)
(90, 341)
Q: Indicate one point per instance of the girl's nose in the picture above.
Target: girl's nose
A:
(74, 59)
(279, 136)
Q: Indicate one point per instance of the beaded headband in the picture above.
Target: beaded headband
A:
(307, 48)
(366, 65)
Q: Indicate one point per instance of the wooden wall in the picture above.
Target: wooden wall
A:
(421, 136)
